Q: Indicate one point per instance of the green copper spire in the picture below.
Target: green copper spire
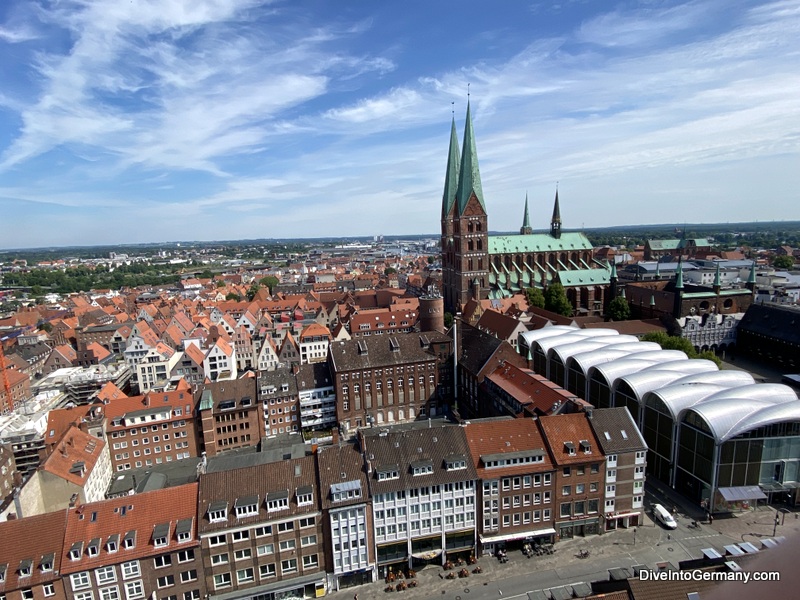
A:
(717, 283)
(526, 220)
(752, 278)
(613, 269)
(658, 270)
(679, 276)
(451, 176)
(652, 300)
(469, 176)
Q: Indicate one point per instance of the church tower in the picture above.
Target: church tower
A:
(526, 220)
(470, 225)
(449, 210)
(555, 222)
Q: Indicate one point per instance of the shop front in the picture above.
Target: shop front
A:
(392, 558)
(621, 520)
(299, 588)
(515, 541)
(578, 528)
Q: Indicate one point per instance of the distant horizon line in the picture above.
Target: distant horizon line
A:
(398, 237)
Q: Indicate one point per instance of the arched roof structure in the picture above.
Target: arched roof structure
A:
(777, 413)
(677, 398)
(567, 350)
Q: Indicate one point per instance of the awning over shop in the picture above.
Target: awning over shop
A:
(622, 515)
(744, 492)
(429, 555)
(516, 536)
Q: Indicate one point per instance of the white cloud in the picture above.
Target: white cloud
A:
(17, 35)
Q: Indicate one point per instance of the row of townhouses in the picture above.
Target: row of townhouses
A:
(304, 520)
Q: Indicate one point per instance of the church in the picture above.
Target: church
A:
(478, 265)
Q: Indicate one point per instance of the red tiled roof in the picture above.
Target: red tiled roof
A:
(570, 428)
(138, 514)
(504, 436)
(152, 400)
(74, 448)
(32, 539)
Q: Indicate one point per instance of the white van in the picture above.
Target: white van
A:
(663, 516)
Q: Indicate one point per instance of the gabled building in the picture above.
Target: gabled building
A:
(261, 531)
(580, 487)
(154, 369)
(517, 493)
(230, 415)
(132, 548)
(384, 379)
(626, 463)
(151, 429)
(30, 557)
(347, 516)
(313, 344)
(423, 487)
(220, 361)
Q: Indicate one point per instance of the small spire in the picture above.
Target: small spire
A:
(613, 269)
(658, 270)
(652, 300)
(717, 282)
(526, 220)
(679, 275)
(555, 222)
(752, 278)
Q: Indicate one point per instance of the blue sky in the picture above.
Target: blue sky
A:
(157, 120)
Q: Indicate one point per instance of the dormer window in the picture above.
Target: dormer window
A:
(76, 551)
(3, 569)
(586, 447)
(217, 511)
(129, 541)
(305, 495)
(161, 535)
(26, 568)
(246, 506)
(112, 545)
(277, 501)
(569, 448)
(422, 467)
(346, 490)
(388, 472)
(183, 530)
(94, 547)
(47, 562)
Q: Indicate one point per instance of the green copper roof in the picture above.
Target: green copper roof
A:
(717, 282)
(613, 270)
(538, 242)
(663, 244)
(206, 400)
(584, 277)
(451, 176)
(752, 278)
(526, 220)
(469, 176)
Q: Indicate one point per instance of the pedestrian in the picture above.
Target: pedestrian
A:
(355, 596)
(499, 591)
(710, 518)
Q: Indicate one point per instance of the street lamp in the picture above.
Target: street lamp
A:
(775, 526)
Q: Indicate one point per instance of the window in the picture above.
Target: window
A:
(265, 549)
(80, 581)
(266, 571)
(238, 536)
(190, 575)
(243, 554)
(278, 504)
(216, 540)
(310, 561)
(217, 513)
(162, 561)
(289, 566)
(134, 590)
(595, 468)
(308, 540)
(566, 490)
(285, 526)
(566, 509)
(308, 522)
(247, 510)
(288, 545)
(165, 581)
(185, 556)
(49, 590)
(245, 575)
(27, 594)
(593, 486)
(84, 596)
(130, 569)
(219, 559)
(222, 580)
(567, 471)
(263, 530)
(105, 575)
(191, 595)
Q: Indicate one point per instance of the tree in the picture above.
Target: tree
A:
(233, 296)
(783, 262)
(251, 293)
(220, 283)
(431, 260)
(555, 300)
(205, 275)
(45, 326)
(709, 355)
(535, 297)
(448, 320)
(270, 281)
(619, 310)
(389, 270)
